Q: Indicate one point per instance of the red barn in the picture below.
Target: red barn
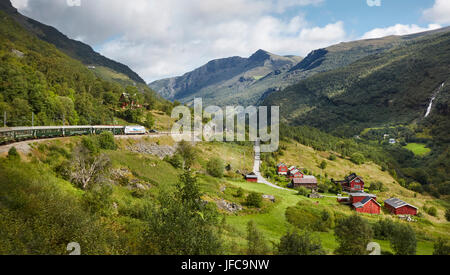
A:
(251, 178)
(282, 169)
(352, 183)
(399, 207)
(368, 205)
(357, 197)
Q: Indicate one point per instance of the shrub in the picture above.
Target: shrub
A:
(376, 186)
(416, 187)
(176, 160)
(256, 243)
(240, 192)
(441, 247)
(302, 191)
(383, 229)
(447, 214)
(106, 141)
(323, 165)
(353, 235)
(403, 240)
(215, 167)
(254, 200)
(358, 158)
(296, 243)
(13, 154)
(332, 157)
(323, 187)
(91, 144)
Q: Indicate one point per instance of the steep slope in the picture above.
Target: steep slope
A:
(36, 77)
(221, 80)
(383, 89)
(73, 48)
(223, 88)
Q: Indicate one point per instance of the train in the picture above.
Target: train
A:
(16, 134)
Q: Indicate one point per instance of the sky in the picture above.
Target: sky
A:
(166, 38)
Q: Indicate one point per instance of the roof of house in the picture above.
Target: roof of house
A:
(362, 194)
(352, 177)
(281, 164)
(295, 171)
(364, 202)
(397, 203)
(292, 168)
(251, 176)
(309, 180)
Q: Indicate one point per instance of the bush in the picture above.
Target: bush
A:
(296, 243)
(215, 167)
(91, 144)
(358, 158)
(13, 154)
(447, 214)
(256, 243)
(106, 141)
(332, 157)
(376, 186)
(382, 229)
(323, 165)
(302, 191)
(254, 200)
(176, 160)
(416, 187)
(353, 235)
(441, 247)
(323, 187)
(240, 193)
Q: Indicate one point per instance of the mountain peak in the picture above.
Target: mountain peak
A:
(260, 55)
(5, 5)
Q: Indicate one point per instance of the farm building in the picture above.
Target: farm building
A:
(368, 205)
(352, 183)
(282, 169)
(359, 196)
(251, 178)
(399, 207)
(309, 182)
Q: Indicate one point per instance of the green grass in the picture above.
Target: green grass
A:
(418, 149)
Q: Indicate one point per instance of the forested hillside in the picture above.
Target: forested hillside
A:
(35, 77)
(72, 48)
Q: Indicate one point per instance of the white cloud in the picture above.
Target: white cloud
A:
(439, 13)
(166, 38)
(374, 3)
(20, 4)
(398, 29)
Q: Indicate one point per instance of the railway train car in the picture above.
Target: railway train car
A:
(15, 134)
(135, 130)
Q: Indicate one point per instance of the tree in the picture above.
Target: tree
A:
(254, 200)
(149, 121)
(403, 240)
(188, 152)
(106, 141)
(353, 235)
(87, 168)
(447, 214)
(240, 192)
(358, 158)
(441, 247)
(215, 167)
(323, 165)
(256, 242)
(300, 243)
(302, 191)
(182, 224)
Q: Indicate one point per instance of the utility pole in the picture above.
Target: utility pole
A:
(64, 119)
(32, 119)
(4, 119)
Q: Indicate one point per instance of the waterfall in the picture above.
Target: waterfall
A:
(433, 98)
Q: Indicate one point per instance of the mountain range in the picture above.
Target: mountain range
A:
(248, 81)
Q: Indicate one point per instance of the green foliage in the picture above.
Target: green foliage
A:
(323, 165)
(187, 152)
(300, 243)
(183, 224)
(106, 141)
(332, 157)
(176, 160)
(432, 211)
(91, 143)
(254, 200)
(416, 187)
(441, 247)
(403, 240)
(256, 243)
(215, 167)
(353, 235)
(97, 200)
(240, 192)
(376, 186)
(358, 158)
(310, 218)
(383, 229)
(302, 191)
(447, 214)
(13, 154)
(149, 121)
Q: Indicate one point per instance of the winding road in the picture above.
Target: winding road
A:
(257, 165)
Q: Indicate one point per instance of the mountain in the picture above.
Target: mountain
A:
(243, 81)
(221, 80)
(386, 88)
(40, 82)
(73, 48)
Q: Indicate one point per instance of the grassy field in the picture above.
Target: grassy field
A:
(418, 149)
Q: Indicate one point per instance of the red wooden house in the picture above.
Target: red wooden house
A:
(282, 169)
(251, 178)
(357, 197)
(295, 174)
(399, 207)
(352, 183)
(367, 205)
